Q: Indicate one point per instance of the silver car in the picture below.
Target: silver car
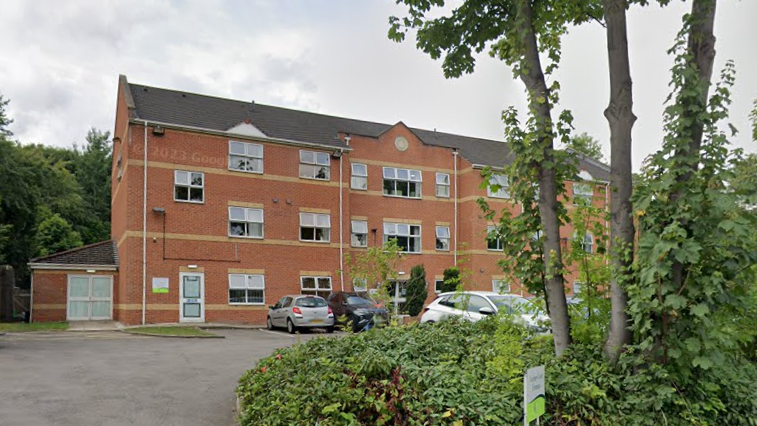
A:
(299, 312)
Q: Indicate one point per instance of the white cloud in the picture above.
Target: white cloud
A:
(59, 63)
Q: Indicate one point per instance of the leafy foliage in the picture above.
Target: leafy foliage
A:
(55, 234)
(416, 291)
(587, 146)
(451, 279)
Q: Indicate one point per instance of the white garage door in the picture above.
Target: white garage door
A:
(90, 297)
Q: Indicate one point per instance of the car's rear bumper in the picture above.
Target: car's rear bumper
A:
(314, 323)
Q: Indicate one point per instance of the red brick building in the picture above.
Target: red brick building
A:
(220, 207)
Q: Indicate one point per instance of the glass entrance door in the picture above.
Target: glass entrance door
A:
(191, 297)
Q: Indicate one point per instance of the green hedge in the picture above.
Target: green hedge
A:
(451, 373)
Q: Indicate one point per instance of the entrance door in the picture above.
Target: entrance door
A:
(191, 297)
(90, 297)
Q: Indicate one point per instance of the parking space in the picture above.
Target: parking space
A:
(113, 378)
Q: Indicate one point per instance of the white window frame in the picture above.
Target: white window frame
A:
(392, 174)
(577, 285)
(358, 177)
(189, 185)
(437, 285)
(255, 282)
(583, 193)
(249, 154)
(318, 161)
(504, 190)
(393, 230)
(316, 224)
(588, 240)
(500, 243)
(442, 185)
(248, 220)
(358, 224)
(360, 284)
(441, 237)
(317, 289)
(500, 286)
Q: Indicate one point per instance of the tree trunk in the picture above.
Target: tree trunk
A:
(702, 48)
(620, 116)
(533, 77)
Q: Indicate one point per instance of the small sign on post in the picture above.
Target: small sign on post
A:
(159, 285)
(534, 399)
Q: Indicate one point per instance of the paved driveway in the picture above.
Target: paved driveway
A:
(112, 378)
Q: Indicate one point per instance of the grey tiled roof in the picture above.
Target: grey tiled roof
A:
(207, 112)
(102, 253)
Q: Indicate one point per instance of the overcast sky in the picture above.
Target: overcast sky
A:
(60, 61)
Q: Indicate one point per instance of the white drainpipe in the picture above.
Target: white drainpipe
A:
(341, 225)
(454, 253)
(144, 231)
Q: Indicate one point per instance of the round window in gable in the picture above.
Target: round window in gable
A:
(401, 143)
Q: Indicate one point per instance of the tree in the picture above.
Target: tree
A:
(753, 116)
(587, 146)
(376, 267)
(516, 32)
(4, 120)
(55, 234)
(416, 291)
(620, 116)
(451, 279)
(93, 172)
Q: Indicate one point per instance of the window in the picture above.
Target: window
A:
(359, 176)
(438, 284)
(246, 289)
(408, 236)
(501, 187)
(500, 286)
(315, 227)
(315, 165)
(493, 241)
(360, 284)
(442, 185)
(577, 286)
(319, 286)
(588, 243)
(402, 182)
(189, 186)
(247, 157)
(359, 233)
(582, 193)
(244, 222)
(442, 238)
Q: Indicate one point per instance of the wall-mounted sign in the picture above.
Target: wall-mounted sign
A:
(534, 399)
(159, 285)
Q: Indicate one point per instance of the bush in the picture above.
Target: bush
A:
(457, 373)
(415, 292)
(451, 279)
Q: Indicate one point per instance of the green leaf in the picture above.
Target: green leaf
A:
(700, 310)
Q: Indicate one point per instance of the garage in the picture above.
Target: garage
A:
(75, 285)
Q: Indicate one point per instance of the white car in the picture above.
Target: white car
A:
(477, 305)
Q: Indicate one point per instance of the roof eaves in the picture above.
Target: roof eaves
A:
(73, 250)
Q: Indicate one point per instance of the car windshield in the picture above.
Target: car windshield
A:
(520, 304)
(311, 302)
(355, 300)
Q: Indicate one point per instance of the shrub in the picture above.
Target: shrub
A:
(457, 373)
(415, 292)
(451, 279)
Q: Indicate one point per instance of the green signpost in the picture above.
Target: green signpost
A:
(534, 400)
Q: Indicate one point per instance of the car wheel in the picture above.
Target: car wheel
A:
(269, 323)
(290, 327)
(330, 329)
(355, 326)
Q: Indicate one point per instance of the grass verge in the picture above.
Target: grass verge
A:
(22, 327)
(176, 331)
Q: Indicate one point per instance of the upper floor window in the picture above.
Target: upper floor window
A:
(408, 236)
(359, 233)
(442, 185)
(402, 182)
(498, 187)
(315, 165)
(587, 244)
(582, 193)
(315, 227)
(189, 186)
(359, 178)
(493, 240)
(442, 238)
(320, 286)
(247, 157)
(244, 222)
(246, 289)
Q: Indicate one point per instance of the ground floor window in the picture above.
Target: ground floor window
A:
(500, 286)
(438, 285)
(320, 286)
(246, 289)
